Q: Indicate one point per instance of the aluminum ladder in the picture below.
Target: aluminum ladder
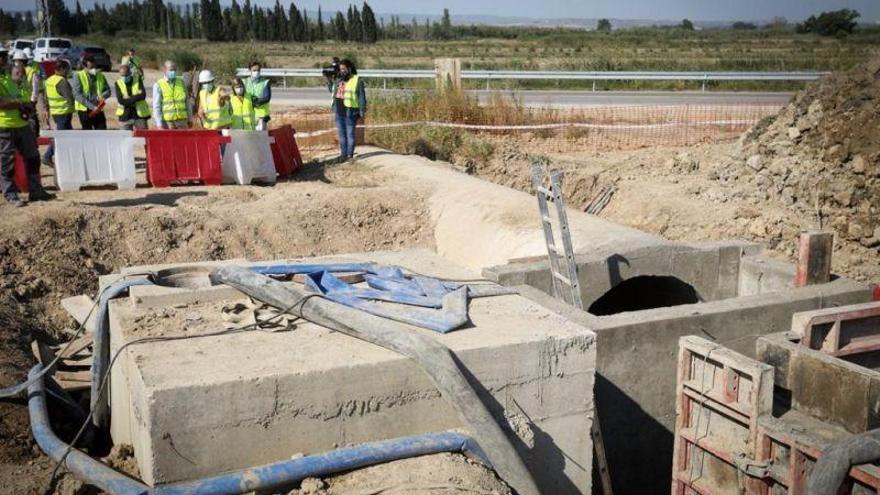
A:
(565, 279)
(565, 283)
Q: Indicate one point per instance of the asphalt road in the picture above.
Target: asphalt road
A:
(566, 99)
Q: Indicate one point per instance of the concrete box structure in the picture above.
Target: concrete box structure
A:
(738, 295)
(201, 406)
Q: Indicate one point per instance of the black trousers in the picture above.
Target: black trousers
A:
(98, 122)
(23, 140)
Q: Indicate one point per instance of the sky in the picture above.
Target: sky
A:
(700, 10)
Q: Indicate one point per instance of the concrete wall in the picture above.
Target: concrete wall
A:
(635, 383)
(199, 407)
(821, 386)
(712, 269)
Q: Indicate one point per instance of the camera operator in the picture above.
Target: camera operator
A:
(349, 104)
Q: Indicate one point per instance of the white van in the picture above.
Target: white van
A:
(50, 48)
(20, 44)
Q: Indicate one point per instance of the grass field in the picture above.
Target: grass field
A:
(635, 49)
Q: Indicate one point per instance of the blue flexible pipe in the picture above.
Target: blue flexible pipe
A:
(268, 477)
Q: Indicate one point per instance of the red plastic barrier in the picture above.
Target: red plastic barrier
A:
(877, 292)
(21, 179)
(285, 152)
(178, 156)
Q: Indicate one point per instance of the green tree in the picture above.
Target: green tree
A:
(339, 31)
(7, 23)
(687, 25)
(603, 26)
(319, 33)
(835, 23)
(59, 17)
(297, 26)
(279, 19)
(368, 19)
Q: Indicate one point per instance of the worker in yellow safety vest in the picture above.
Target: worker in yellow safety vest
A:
(28, 80)
(259, 91)
(132, 109)
(59, 98)
(90, 90)
(170, 106)
(16, 135)
(213, 103)
(349, 103)
(242, 108)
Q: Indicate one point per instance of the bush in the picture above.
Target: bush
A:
(186, 60)
(225, 67)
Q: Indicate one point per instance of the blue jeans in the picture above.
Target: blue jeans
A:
(345, 125)
(62, 123)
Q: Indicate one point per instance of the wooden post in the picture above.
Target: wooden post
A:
(448, 73)
(814, 258)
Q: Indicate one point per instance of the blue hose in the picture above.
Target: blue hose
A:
(101, 361)
(268, 477)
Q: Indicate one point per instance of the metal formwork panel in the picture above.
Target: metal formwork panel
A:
(719, 397)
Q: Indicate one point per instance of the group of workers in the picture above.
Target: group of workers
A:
(85, 92)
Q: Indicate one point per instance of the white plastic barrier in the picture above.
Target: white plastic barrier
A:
(92, 158)
(248, 157)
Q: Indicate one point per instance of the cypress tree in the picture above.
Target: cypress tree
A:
(368, 19)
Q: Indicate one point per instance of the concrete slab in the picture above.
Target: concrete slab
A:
(201, 406)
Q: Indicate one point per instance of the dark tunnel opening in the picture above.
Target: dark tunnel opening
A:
(644, 292)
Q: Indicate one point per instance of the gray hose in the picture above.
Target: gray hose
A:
(835, 462)
(434, 358)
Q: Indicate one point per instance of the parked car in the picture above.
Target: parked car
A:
(102, 58)
(74, 56)
(20, 44)
(46, 49)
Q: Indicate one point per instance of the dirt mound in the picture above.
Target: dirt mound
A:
(54, 250)
(820, 156)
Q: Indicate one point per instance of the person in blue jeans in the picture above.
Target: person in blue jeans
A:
(349, 104)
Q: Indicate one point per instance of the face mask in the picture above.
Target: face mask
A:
(209, 86)
(171, 74)
(238, 91)
(93, 71)
(255, 74)
(127, 79)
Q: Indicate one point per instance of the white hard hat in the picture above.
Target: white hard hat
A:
(206, 76)
(28, 53)
(19, 55)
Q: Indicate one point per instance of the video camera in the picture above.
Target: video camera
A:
(332, 70)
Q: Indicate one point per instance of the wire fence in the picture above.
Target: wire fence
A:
(600, 128)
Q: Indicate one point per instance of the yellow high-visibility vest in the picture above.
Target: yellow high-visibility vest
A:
(173, 100)
(216, 115)
(31, 71)
(255, 88)
(85, 83)
(243, 117)
(10, 118)
(137, 87)
(58, 105)
(350, 98)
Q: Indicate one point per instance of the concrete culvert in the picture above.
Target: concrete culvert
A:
(644, 292)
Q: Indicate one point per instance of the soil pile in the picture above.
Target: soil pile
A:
(820, 155)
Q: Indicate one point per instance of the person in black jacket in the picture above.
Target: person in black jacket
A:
(133, 111)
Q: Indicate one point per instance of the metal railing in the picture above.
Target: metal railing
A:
(552, 75)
